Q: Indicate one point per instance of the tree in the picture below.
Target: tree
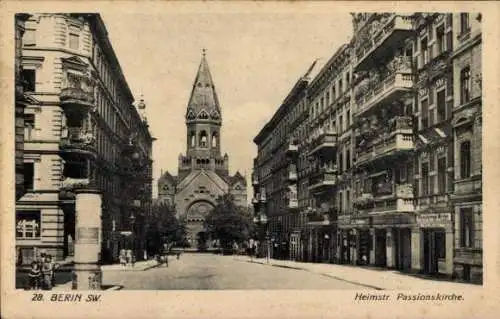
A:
(163, 227)
(229, 223)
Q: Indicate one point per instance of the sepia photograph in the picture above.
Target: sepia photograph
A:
(240, 151)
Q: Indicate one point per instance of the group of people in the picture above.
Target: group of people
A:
(42, 273)
(127, 258)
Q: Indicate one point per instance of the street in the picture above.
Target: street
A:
(208, 271)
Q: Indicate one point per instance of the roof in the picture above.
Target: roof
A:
(167, 177)
(203, 102)
(237, 178)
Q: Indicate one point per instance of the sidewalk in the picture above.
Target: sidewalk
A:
(139, 266)
(383, 279)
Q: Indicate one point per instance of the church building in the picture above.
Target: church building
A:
(203, 173)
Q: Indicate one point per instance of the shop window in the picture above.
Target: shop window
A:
(466, 228)
(29, 80)
(441, 106)
(440, 241)
(465, 160)
(465, 85)
(28, 224)
(29, 174)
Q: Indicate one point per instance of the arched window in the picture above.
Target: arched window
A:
(193, 139)
(203, 139)
(214, 139)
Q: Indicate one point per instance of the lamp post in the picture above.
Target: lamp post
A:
(327, 246)
(132, 230)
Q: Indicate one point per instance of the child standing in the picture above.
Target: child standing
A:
(34, 276)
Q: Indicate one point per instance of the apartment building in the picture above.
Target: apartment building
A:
(84, 133)
(329, 148)
(467, 211)
(276, 173)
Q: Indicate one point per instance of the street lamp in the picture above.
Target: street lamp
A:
(132, 230)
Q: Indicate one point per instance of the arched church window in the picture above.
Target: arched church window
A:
(214, 140)
(193, 139)
(198, 161)
(203, 139)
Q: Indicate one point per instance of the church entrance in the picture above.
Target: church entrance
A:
(196, 233)
(202, 241)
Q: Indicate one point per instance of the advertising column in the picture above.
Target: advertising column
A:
(87, 271)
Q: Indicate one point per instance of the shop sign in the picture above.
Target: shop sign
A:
(394, 219)
(344, 219)
(440, 220)
(87, 235)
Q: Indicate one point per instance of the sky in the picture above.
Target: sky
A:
(255, 59)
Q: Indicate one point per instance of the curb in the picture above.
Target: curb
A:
(319, 273)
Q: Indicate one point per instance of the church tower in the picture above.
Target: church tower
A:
(203, 122)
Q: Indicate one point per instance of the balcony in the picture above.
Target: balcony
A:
(73, 183)
(78, 141)
(255, 180)
(293, 202)
(319, 219)
(292, 150)
(74, 97)
(389, 89)
(389, 205)
(323, 142)
(325, 179)
(384, 39)
(398, 142)
(400, 200)
(468, 188)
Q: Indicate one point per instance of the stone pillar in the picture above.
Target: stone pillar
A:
(449, 251)
(390, 248)
(416, 249)
(87, 271)
(354, 250)
(373, 246)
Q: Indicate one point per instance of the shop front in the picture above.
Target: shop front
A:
(436, 238)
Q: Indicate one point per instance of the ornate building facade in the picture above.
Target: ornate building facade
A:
(203, 173)
(83, 133)
(394, 147)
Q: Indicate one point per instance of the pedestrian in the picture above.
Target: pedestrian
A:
(132, 258)
(48, 273)
(123, 258)
(35, 276)
(178, 254)
(129, 257)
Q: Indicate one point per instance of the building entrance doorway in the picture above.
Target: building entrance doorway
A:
(380, 247)
(202, 241)
(434, 249)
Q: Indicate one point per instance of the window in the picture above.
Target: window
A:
(425, 179)
(347, 79)
(425, 113)
(464, 23)
(466, 227)
(347, 200)
(203, 139)
(29, 80)
(334, 93)
(29, 174)
(465, 158)
(440, 40)
(327, 98)
(341, 88)
(441, 106)
(465, 85)
(74, 41)
(29, 37)
(28, 224)
(341, 162)
(348, 118)
(341, 125)
(442, 175)
(347, 159)
(341, 208)
(29, 125)
(424, 51)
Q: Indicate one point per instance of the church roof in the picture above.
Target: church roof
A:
(213, 176)
(203, 103)
(167, 176)
(237, 178)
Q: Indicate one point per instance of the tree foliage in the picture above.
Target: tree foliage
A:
(163, 227)
(229, 223)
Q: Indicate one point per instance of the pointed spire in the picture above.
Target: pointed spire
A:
(203, 96)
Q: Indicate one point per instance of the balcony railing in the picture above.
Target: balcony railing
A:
(324, 141)
(470, 185)
(388, 89)
(395, 30)
(390, 205)
(78, 140)
(72, 183)
(325, 178)
(396, 143)
(71, 96)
